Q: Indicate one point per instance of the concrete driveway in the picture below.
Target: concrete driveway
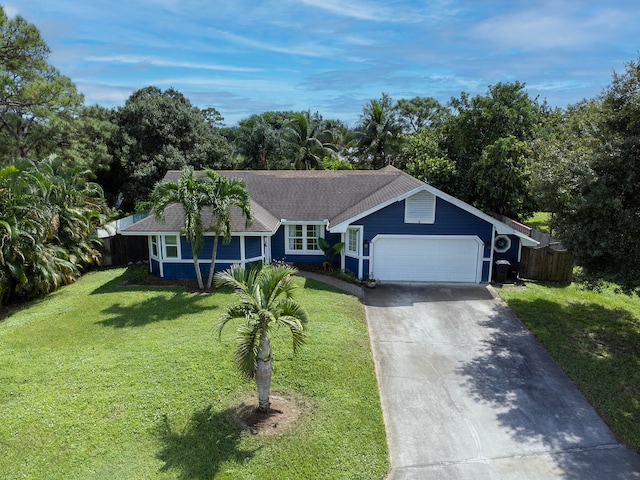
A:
(468, 393)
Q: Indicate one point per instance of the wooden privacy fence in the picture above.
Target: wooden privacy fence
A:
(122, 250)
(550, 262)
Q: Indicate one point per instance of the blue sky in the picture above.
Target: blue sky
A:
(332, 56)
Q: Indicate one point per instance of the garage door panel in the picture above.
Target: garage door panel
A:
(450, 259)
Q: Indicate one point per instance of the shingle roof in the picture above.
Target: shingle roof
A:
(299, 195)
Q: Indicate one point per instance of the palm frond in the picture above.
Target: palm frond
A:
(247, 342)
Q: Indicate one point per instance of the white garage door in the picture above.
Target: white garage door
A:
(427, 259)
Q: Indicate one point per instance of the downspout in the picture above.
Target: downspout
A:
(493, 241)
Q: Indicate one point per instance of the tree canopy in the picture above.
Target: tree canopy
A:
(159, 131)
(600, 224)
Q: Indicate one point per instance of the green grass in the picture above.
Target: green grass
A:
(539, 221)
(105, 380)
(595, 338)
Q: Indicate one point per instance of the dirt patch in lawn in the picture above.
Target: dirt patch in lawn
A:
(283, 413)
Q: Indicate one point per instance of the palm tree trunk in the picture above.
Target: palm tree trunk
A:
(213, 260)
(263, 372)
(198, 272)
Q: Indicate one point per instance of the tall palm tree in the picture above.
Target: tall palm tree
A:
(192, 193)
(265, 301)
(377, 133)
(224, 194)
(310, 143)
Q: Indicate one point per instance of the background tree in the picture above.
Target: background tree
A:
(477, 123)
(601, 224)
(562, 159)
(421, 155)
(36, 100)
(159, 131)
(258, 144)
(420, 113)
(265, 303)
(377, 134)
(501, 179)
(307, 141)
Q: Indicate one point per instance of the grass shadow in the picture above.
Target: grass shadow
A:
(209, 440)
(136, 278)
(154, 309)
(535, 401)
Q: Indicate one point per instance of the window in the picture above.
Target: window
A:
(353, 241)
(303, 238)
(420, 208)
(154, 246)
(171, 246)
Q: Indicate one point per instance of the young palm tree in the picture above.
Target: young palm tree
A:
(192, 193)
(224, 194)
(265, 301)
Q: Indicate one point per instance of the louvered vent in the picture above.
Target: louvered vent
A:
(420, 208)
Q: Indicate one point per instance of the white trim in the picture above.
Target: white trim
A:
(165, 255)
(266, 248)
(350, 253)
(304, 238)
(157, 256)
(359, 256)
(480, 257)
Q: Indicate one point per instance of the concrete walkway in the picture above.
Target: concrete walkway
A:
(469, 394)
(351, 288)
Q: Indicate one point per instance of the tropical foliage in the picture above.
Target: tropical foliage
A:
(48, 217)
(265, 302)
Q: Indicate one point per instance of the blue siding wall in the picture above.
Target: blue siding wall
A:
(351, 264)
(253, 247)
(277, 244)
(226, 252)
(450, 220)
(155, 267)
(277, 250)
(179, 270)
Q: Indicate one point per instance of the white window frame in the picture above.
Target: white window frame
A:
(347, 247)
(154, 245)
(420, 208)
(305, 237)
(165, 244)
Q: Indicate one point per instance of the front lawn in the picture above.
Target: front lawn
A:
(107, 379)
(595, 338)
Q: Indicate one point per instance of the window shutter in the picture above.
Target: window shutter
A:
(420, 208)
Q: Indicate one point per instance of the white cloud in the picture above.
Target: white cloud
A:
(11, 11)
(158, 62)
(399, 12)
(308, 49)
(536, 28)
(104, 94)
